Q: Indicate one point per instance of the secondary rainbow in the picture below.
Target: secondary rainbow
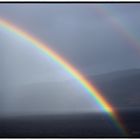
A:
(118, 25)
(91, 90)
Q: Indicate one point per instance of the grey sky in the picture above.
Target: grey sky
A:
(78, 32)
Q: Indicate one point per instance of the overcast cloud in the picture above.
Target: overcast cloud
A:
(81, 33)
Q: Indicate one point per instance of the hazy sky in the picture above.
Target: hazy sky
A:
(94, 38)
(82, 33)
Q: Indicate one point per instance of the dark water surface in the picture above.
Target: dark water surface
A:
(72, 125)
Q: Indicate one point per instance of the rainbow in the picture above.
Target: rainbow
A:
(118, 26)
(91, 90)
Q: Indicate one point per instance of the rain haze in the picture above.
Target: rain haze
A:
(39, 97)
(99, 40)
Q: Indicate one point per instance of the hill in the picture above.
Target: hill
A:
(121, 88)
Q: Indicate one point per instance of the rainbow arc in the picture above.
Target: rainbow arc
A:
(90, 89)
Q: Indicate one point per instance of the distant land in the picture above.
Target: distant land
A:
(121, 88)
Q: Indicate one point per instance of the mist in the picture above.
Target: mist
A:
(32, 83)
